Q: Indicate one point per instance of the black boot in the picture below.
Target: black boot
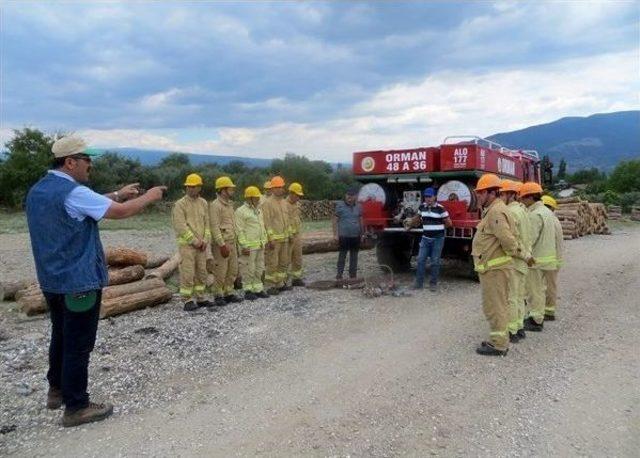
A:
(285, 288)
(205, 303)
(521, 334)
(273, 291)
(297, 282)
(220, 302)
(232, 298)
(487, 349)
(549, 318)
(250, 296)
(190, 306)
(262, 295)
(531, 325)
(514, 338)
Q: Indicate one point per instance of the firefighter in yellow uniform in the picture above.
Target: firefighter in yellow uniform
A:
(508, 192)
(295, 234)
(494, 247)
(267, 192)
(223, 247)
(252, 239)
(190, 220)
(277, 252)
(551, 275)
(543, 250)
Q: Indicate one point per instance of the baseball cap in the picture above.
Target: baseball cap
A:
(68, 146)
(429, 192)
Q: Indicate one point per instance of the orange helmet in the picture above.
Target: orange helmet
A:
(488, 181)
(510, 186)
(277, 182)
(530, 187)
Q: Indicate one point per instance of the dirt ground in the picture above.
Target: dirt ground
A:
(336, 374)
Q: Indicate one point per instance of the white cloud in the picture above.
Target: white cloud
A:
(420, 113)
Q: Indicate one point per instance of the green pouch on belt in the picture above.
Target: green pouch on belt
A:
(80, 302)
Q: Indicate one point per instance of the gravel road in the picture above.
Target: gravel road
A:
(335, 374)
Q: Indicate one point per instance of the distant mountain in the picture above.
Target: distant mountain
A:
(154, 156)
(600, 140)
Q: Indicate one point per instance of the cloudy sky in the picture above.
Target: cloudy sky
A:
(315, 78)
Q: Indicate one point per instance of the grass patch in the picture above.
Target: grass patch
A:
(151, 220)
(16, 222)
(313, 226)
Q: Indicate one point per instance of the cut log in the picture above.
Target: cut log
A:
(125, 275)
(166, 269)
(155, 261)
(122, 257)
(136, 301)
(9, 289)
(33, 304)
(130, 288)
(29, 291)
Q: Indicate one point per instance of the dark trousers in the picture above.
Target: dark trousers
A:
(73, 335)
(352, 245)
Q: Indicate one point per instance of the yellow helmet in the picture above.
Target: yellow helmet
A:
(296, 188)
(252, 191)
(193, 180)
(550, 202)
(224, 182)
(267, 184)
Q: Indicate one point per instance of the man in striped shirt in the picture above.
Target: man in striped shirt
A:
(434, 218)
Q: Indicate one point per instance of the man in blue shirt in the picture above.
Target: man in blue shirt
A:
(434, 218)
(63, 220)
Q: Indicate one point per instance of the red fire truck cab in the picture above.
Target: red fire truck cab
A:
(393, 182)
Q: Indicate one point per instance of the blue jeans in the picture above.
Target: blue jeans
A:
(429, 248)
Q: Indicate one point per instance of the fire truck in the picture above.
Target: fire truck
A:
(393, 182)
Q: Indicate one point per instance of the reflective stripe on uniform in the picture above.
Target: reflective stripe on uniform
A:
(495, 262)
(433, 227)
(186, 238)
(199, 288)
(187, 292)
(546, 260)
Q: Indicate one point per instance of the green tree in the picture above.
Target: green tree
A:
(562, 169)
(625, 177)
(314, 176)
(175, 160)
(26, 160)
(587, 176)
(112, 171)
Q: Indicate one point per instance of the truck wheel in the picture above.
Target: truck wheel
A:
(393, 255)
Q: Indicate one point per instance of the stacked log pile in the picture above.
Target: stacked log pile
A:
(128, 288)
(635, 213)
(315, 210)
(579, 217)
(614, 212)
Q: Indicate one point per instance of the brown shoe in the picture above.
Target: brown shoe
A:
(93, 412)
(54, 398)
